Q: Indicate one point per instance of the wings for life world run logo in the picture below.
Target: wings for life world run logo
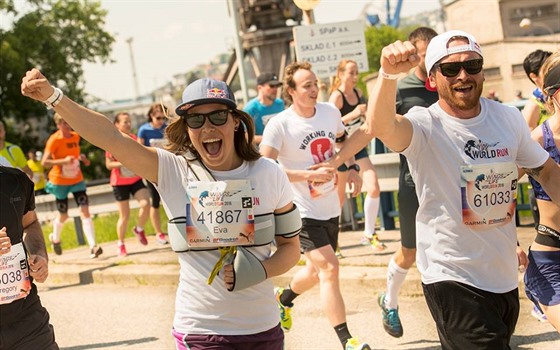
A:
(478, 149)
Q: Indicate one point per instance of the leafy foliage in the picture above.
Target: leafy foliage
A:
(376, 39)
(56, 36)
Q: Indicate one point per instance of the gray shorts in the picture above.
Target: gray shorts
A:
(318, 233)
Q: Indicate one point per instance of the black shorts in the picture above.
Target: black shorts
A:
(123, 192)
(408, 206)
(156, 200)
(32, 331)
(470, 318)
(318, 233)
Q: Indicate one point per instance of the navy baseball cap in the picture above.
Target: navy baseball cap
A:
(269, 78)
(205, 91)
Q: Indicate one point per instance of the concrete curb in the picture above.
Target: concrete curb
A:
(158, 265)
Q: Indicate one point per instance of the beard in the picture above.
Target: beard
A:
(455, 99)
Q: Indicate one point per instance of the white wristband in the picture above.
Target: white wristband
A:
(387, 75)
(54, 99)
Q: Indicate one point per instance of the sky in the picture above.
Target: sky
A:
(173, 36)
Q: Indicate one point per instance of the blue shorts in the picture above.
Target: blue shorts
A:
(62, 191)
(542, 278)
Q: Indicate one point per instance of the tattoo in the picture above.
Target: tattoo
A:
(535, 172)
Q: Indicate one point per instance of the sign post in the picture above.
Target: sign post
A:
(325, 45)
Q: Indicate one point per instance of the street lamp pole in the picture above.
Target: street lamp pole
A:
(133, 65)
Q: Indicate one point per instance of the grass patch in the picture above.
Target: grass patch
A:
(105, 229)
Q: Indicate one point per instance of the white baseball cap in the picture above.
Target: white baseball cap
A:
(438, 47)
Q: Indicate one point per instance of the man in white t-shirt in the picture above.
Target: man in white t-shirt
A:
(463, 153)
(299, 137)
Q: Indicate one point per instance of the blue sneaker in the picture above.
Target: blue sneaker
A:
(391, 320)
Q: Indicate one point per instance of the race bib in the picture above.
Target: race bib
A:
(158, 143)
(14, 275)
(125, 172)
(489, 194)
(220, 214)
(37, 177)
(71, 170)
(318, 189)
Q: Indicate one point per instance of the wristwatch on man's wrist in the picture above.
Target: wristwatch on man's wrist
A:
(354, 167)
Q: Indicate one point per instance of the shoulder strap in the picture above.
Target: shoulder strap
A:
(199, 170)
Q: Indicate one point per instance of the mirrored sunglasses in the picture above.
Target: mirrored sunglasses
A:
(196, 120)
(451, 69)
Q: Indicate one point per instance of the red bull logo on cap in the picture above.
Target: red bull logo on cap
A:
(216, 93)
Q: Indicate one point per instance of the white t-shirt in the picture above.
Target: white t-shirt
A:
(450, 245)
(302, 142)
(212, 309)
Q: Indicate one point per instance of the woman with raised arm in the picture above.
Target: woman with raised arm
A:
(542, 278)
(226, 204)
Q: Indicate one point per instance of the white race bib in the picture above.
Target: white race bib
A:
(158, 143)
(489, 194)
(125, 172)
(71, 170)
(220, 213)
(14, 275)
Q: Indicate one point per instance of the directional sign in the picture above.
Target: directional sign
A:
(325, 45)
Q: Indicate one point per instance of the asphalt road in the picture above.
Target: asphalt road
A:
(104, 316)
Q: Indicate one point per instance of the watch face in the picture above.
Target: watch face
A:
(355, 167)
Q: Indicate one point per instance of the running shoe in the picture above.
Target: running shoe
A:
(354, 344)
(285, 317)
(161, 238)
(538, 314)
(56, 247)
(338, 253)
(122, 251)
(377, 245)
(95, 252)
(366, 240)
(391, 320)
(141, 235)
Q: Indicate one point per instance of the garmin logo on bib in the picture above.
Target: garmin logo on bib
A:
(478, 149)
(489, 194)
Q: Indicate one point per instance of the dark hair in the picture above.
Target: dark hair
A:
(421, 34)
(534, 61)
(179, 141)
(289, 82)
(157, 107)
(117, 117)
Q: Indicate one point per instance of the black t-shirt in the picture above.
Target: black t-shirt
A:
(16, 199)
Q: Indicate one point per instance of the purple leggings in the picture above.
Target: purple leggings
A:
(272, 339)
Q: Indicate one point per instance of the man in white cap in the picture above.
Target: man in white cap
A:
(463, 153)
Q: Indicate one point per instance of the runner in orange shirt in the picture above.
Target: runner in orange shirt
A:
(62, 154)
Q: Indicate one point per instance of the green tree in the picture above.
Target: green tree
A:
(56, 36)
(376, 39)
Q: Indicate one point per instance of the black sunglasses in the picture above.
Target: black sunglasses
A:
(451, 69)
(196, 120)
